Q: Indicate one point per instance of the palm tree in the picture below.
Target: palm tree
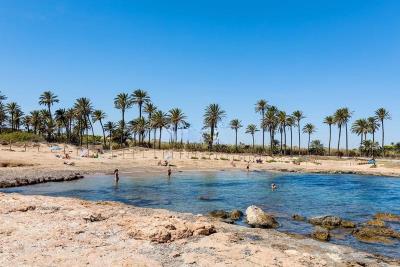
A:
(373, 126)
(298, 116)
(138, 126)
(35, 120)
(3, 116)
(282, 128)
(110, 127)
(123, 102)
(382, 115)
(290, 122)
(329, 120)
(339, 118)
(271, 122)
(236, 124)
(149, 109)
(61, 120)
(160, 121)
(212, 116)
(2, 97)
(26, 121)
(261, 106)
(176, 118)
(99, 116)
(70, 114)
(18, 118)
(252, 129)
(84, 109)
(360, 127)
(309, 129)
(346, 117)
(140, 97)
(48, 99)
(13, 109)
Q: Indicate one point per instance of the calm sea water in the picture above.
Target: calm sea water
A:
(351, 197)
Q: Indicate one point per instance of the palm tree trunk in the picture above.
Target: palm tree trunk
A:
(159, 140)
(284, 134)
(211, 137)
(123, 127)
(263, 130)
(347, 142)
(330, 139)
(253, 141)
(104, 133)
(340, 133)
(140, 110)
(271, 142)
(298, 123)
(281, 131)
(236, 139)
(91, 127)
(373, 142)
(383, 139)
(291, 140)
(361, 142)
(176, 133)
(308, 147)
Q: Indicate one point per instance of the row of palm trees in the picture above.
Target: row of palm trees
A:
(74, 123)
(275, 121)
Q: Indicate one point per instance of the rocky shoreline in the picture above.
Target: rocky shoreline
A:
(39, 230)
(22, 177)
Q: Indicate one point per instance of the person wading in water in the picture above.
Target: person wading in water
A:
(116, 174)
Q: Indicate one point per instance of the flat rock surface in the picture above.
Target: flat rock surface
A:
(55, 231)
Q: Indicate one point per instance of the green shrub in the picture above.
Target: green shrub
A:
(20, 137)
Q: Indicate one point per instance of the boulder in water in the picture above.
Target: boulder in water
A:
(236, 215)
(257, 218)
(321, 234)
(220, 214)
(376, 234)
(387, 217)
(348, 224)
(377, 223)
(328, 222)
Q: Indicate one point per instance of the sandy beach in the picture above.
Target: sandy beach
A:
(46, 231)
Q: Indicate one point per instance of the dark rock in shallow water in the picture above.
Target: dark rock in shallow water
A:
(388, 217)
(236, 215)
(329, 222)
(376, 234)
(377, 223)
(257, 218)
(298, 218)
(321, 234)
(348, 224)
(220, 214)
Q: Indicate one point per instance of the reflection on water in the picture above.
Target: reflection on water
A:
(351, 197)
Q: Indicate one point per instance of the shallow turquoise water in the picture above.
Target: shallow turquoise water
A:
(351, 197)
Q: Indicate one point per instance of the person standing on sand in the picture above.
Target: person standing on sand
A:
(116, 174)
(248, 167)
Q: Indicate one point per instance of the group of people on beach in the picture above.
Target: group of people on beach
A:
(169, 173)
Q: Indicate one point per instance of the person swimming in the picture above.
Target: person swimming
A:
(116, 174)
(248, 167)
(274, 187)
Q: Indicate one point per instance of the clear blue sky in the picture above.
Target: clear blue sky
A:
(315, 56)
